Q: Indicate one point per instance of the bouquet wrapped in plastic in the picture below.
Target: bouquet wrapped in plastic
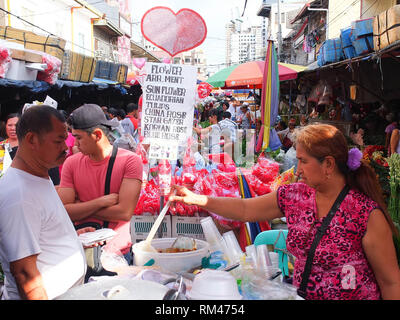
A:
(50, 75)
(266, 170)
(5, 61)
(149, 200)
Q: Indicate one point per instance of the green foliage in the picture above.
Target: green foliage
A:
(383, 173)
(394, 199)
(205, 124)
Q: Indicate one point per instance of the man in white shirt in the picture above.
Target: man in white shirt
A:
(40, 252)
(232, 108)
(226, 122)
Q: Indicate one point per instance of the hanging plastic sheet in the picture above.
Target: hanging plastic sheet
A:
(249, 230)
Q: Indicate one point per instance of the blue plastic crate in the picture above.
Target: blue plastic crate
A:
(363, 45)
(362, 27)
(113, 75)
(333, 50)
(102, 69)
(347, 45)
(362, 36)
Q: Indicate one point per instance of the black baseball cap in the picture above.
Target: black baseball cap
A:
(88, 116)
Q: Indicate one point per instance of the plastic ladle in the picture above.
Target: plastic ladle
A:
(146, 244)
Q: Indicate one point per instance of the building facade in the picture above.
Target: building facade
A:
(342, 12)
(102, 29)
(243, 45)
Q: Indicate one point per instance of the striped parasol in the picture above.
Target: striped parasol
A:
(268, 138)
(250, 75)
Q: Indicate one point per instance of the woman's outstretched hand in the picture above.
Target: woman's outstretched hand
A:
(183, 194)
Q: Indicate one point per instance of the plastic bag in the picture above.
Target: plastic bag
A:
(112, 261)
(290, 160)
(322, 91)
(286, 177)
(266, 170)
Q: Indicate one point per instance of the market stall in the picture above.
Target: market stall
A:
(205, 262)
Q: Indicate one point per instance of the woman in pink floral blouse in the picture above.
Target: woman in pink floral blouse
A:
(356, 257)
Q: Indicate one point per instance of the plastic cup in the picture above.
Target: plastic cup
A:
(274, 256)
(212, 234)
(251, 252)
(214, 285)
(264, 264)
(234, 252)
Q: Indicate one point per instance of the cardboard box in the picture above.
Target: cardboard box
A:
(19, 71)
(77, 67)
(88, 67)
(122, 73)
(187, 226)
(26, 55)
(386, 27)
(141, 226)
(49, 44)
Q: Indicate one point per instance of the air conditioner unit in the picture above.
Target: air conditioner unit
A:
(99, 53)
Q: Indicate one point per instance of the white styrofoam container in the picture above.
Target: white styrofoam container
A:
(187, 226)
(141, 226)
(19, 71)
(174, 262)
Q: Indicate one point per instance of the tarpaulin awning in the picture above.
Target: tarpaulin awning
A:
(250, 75)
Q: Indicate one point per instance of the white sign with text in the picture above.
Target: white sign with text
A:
(169, 92)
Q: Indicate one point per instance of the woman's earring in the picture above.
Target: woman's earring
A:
(328, 176)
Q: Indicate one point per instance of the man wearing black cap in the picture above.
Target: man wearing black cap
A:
(83, 182)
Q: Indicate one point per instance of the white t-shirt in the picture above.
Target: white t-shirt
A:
(33, 220)
(231, 125)
(127, 125)
(214, 139)
(232, 110)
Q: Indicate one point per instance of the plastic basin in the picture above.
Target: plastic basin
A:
(175, 262)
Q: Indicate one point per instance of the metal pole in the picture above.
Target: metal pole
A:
(279, 31)
(160, 231)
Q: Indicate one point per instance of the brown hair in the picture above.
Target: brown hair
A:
(322, 140)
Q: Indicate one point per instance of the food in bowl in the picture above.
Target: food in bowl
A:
(181, 244)
(174, 250)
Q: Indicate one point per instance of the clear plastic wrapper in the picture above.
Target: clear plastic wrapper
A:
(256, 287)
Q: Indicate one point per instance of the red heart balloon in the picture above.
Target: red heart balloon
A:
(173, 32)
(204, 89)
